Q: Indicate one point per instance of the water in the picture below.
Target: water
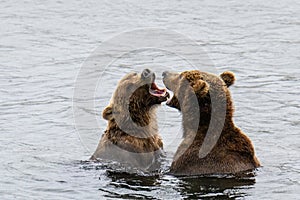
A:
(44, 44)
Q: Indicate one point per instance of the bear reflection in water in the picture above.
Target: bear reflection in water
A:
(216, 187)
(194, 187)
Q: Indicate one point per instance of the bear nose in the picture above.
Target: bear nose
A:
(146, 73)
(164, 74)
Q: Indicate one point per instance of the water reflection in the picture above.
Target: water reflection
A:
(137, 182)
(137, 185)
(133, 186)
(229, 187)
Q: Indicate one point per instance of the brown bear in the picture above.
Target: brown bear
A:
(131, 136)
(212, 144)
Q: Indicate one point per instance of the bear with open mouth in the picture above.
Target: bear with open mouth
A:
(131, 136)
(212, 144)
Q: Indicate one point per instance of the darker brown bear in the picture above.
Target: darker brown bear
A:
(212, 144)
(132, 135)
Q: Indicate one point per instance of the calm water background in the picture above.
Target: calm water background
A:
(43, 45)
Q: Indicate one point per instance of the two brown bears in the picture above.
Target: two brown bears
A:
(211, 144)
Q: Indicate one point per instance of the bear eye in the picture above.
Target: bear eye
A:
(134, 74)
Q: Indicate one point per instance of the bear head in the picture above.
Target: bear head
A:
(200, 96)
(134, 100)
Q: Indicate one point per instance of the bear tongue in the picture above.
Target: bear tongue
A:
(155, 91)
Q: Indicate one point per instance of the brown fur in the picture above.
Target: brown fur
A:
(132, 135)
(233, 152)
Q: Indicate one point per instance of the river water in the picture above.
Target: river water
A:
(44, 45)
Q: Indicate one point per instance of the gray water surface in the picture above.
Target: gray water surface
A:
(44, 44)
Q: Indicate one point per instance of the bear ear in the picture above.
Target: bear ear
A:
(107, 113)
(201, 88)
(228, 77)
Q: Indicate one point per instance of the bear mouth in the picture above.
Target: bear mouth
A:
(157, 92)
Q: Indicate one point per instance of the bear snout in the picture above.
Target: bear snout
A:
(169, 78)
(148, 74)
(167, 74)
(164, 74)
